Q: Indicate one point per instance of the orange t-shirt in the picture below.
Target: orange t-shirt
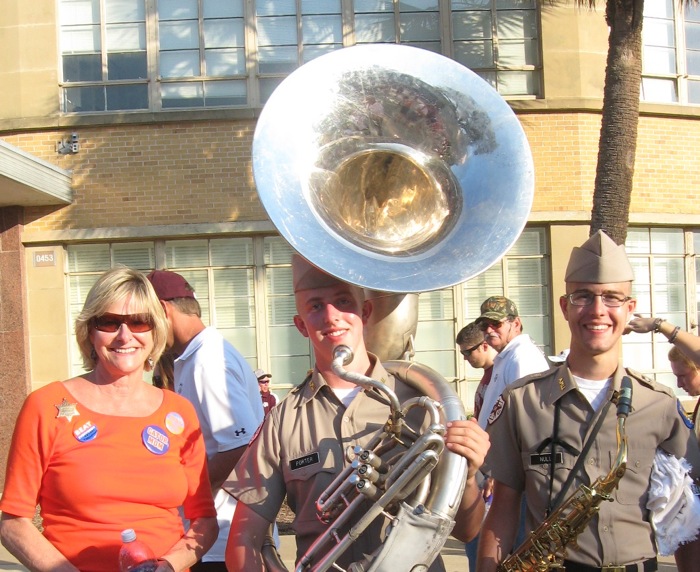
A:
(95, 475)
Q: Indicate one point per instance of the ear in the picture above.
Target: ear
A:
(366, 311)
(301, 326)
(563, 304)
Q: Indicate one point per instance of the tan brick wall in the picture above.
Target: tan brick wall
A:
(197, 172)
(200, 172)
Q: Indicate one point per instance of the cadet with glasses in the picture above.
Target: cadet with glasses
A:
(105, 451)
(557, 431)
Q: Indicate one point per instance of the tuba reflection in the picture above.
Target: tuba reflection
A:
(401, 171)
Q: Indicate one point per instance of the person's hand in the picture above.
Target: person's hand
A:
(470, 441)
(640, 325)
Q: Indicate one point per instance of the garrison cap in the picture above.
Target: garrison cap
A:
(599, 261)
(306, 276)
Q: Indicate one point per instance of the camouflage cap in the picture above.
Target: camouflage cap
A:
(599, 261)
(497, 308)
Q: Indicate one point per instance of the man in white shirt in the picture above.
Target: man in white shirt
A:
(518, 355)
(221, 385)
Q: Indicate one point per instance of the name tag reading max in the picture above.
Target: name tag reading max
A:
(304, 461)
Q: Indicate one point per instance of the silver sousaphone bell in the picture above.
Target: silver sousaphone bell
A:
(393, 168)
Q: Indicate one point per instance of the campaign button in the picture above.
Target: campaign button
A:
(175, 423)
(86, 432)
(155, 439)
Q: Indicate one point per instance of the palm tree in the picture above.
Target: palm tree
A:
(618, 134)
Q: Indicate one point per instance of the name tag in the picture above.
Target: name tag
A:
(304, 461)
(546, 459)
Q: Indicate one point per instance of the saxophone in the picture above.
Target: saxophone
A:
(545, 547)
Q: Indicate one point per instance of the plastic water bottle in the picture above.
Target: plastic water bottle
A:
(134, 555)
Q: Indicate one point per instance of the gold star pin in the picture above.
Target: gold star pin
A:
(67, 410)
(561, 383)
(312, 385)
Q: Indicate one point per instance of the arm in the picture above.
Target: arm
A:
(500, 526)
(30, 547)
(220, 466)
(245, 540)
(193, 545)
(688, 343)
(470, 441)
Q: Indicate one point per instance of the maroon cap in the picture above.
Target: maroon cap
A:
(169, 285)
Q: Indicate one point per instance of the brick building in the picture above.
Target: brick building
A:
(160, 100)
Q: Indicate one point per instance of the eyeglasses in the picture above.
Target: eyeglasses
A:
(586, 298)
(468, 352)
(137, 323)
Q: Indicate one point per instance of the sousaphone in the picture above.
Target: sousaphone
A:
(401, 171)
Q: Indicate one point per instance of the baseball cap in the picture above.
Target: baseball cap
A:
(260, 373)
(497, 308)
(599, 261)
(169, 285)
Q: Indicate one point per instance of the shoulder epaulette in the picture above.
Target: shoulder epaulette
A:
(650, 383)
(299, 387)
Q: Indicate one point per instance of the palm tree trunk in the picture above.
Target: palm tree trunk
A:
(618, 134)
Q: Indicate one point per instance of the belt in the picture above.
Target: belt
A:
(650, 565)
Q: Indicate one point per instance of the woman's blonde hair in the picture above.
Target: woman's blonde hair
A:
(114, 286)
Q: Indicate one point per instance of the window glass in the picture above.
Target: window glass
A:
(658, 259)
(126, 97)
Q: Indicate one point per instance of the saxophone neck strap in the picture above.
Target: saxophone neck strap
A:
(581, 458)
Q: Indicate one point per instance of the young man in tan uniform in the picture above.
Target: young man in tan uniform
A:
(305, 440)
(549, 417)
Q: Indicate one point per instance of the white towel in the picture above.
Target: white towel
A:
(675, 510)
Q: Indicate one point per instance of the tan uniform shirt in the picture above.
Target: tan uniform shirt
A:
(524, 418)
(303, 444)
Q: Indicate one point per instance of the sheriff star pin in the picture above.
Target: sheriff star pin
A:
(67, 410)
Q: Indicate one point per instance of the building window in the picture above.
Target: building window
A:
(103, 48)
(131, 55)
(665, 274)
(201, 53)
(671, 61)
(499, 41)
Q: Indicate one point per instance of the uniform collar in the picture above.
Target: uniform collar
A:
(564, 383)
(313, 385)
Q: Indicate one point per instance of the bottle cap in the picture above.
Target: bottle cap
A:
(128, 535)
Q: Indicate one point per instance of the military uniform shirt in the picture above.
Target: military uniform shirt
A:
(303, 444)
(523, 419)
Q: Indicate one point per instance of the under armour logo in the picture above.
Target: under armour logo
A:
(240, 432)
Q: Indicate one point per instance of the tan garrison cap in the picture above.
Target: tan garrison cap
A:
(305, 276)
(599, 261)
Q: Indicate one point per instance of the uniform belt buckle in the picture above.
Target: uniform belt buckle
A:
(613, 569)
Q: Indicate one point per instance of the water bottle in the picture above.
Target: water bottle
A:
(134, 555)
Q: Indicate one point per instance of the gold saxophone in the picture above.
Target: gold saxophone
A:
(545, 548)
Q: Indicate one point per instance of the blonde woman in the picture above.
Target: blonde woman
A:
(105, 451)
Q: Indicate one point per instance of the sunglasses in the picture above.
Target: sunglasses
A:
(137, 323)
(486, 324)
(468, 352)
(265, 381)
